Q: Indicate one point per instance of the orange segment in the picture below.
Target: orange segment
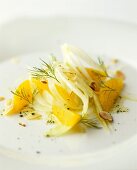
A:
(66, 117)
(95, 74)
(21, 100)
(71, 99)
(109, 93)
(40, 86)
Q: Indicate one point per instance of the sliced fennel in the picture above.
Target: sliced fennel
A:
(79, 92)
(80, 54)
(57, 131)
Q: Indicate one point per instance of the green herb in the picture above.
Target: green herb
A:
(22, 94)
(50, 118)
(90, 122)
(121, 110)
(102, 65)
(103, 85)
(35, 92)
(53, 58)
(43, 73)
(50, 121)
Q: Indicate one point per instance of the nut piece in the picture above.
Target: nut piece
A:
(106, 116)
(115, 61)
(94, 86)
(2, 98)
(120, 74)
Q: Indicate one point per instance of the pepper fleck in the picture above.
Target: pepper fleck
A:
(22, 124)
(38, 152)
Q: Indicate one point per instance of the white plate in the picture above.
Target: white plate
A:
(96, 148)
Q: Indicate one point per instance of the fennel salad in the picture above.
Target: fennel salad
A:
(74, 92)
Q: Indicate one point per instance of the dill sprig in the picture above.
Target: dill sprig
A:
(43, 73)
(22, 94)
(90, 122)
(103, 85)
(35, 92)
(102, 65)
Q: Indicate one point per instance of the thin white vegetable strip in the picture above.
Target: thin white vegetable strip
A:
(57, 131)
(42, 109)
(72, 86)
(51, 84)
(84, 86)
(99, 109)
(82, 55)
(37, 104)
(79, 66)
(56, 94)
(43, 99)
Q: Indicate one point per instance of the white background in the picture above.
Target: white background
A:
(118, 9)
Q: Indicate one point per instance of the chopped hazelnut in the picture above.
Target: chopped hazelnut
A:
(106, 116)
(2, 98)
(120, 74)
